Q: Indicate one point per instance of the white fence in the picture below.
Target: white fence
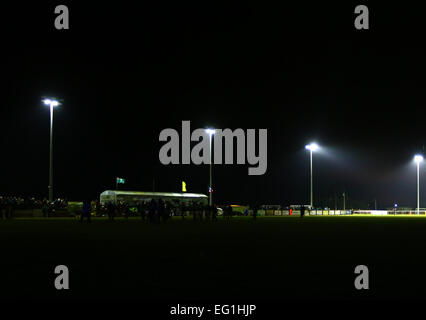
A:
(337, 212)
(389, 212)
(297, 212)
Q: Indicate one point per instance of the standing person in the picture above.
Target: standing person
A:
(161, 209)
(208, 210)
(141, 210)
(120, 208)
(98, 209)
(110, 210)
(200, 211)
(229, 213)
(167, 211)
(126, 210)
(151, 211)
(193, 211)
(1, 208)
(254, 212)
(182, 210)
(51, 209)
(87, 209)
(10, 209)
(302, 211)
(45, 208)
(214, 213)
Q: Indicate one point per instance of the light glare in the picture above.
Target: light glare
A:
(418, 158)
(210, 131)
(312, 147)
(50, 102)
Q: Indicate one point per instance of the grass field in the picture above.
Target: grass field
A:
(271, 258)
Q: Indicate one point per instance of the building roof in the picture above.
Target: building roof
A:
(154, 194)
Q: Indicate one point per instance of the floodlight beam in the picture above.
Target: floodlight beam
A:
(312, 147)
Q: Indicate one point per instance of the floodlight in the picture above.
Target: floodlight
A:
(418, 158)
(52, 103)
(312, 147)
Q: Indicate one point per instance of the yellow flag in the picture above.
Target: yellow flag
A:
(183, 186)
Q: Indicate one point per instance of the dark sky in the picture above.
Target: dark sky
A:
(303, 72)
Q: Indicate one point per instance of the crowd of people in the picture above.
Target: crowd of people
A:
(153, 211)
(9, 204)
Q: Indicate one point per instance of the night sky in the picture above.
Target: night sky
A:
(125, 72)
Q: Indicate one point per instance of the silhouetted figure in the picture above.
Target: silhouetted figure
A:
(254, 208)
(152, 211)
(229, 212)
(167, 212)
(182, 210)
(208, 211)
(87, 209)
(10, 208)
(110, 210)
(200, 211)
(141, 210)
(45, 209)
(302, 211)
(214, 213)
(1, 209)
(51, 209)
(160, 211)
(120, 209)
(98, 209)
(193, 210)
(126, 210)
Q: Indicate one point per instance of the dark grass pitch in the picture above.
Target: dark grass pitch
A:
(273, 258)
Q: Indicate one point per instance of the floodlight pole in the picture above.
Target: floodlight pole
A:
(51, 154)
(312, 193)
(311, 147)
(211, 176)
(418, 187)
(344, 201)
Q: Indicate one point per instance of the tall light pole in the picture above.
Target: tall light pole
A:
(418, 158)
(211, 132)
(344, 201)
(51, 103)
(312, 147)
